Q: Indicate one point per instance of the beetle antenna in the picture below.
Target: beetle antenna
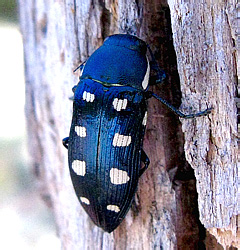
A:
(79, 67)
(178, 112)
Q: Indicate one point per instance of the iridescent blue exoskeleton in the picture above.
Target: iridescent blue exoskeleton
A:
(108, 125)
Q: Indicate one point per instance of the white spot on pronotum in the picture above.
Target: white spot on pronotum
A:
(118, 176)
(146, 77)
(88, 97)
(119, 104)
(113, 208)
(121, 140)
(81, 131)
(84, 200)
(144, 122)
(79, 167)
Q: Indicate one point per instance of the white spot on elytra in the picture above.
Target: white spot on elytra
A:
(118, 176)
(81, 131)
(79, 167)
(113, 208)
(144, 122)
(121, 140)
(119, 104)
(85, 200)
(146, 77)
(88, 97)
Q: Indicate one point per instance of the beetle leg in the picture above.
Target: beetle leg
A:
(159, 78)
(177, 111)
(73, 90)
(65, 142)
(145, 160)
(154, 66)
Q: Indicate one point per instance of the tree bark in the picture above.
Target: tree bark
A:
(204, 38)
(177, 200)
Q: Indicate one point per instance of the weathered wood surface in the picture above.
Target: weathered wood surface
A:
(205, 43)
(58, 36)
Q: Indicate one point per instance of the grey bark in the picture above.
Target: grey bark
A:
(172, 199)
(206, 56)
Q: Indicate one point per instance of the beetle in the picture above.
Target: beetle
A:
(108, 124)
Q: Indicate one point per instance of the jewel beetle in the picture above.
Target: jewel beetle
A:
(108, 124)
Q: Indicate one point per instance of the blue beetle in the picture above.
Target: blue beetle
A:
(108, 125)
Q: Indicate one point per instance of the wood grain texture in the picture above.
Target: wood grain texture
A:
(204, 40)
(58, 36)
